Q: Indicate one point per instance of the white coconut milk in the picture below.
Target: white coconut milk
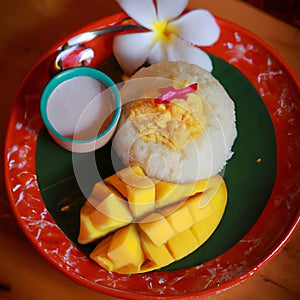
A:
(80, 108)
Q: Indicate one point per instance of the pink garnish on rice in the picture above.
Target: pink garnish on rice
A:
(169, 93)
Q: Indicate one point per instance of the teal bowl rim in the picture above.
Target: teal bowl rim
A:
(69, 74)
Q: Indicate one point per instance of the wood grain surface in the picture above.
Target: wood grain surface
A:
(28, 28)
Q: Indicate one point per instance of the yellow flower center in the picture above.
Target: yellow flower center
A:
(163, 30)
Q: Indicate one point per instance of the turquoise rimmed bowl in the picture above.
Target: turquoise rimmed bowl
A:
(80, 108)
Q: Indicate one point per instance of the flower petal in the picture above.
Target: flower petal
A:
(158, 53)
(179, 51)
(132, 50)
(170, 9)
(198, 26)
(142, 11)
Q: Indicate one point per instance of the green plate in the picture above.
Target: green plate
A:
(249, 175)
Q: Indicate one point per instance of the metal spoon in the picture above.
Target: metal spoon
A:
(81, 55)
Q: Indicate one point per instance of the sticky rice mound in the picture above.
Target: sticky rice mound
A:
(183, 140)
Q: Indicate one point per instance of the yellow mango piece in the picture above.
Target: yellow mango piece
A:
(182, 244)
(125, 250)
(116, 182)
(88, 232)
(211, 190)
(187, 216)
(167, 193)
(111, 213)
(180, 219)
(141, 200)
(157, 228)
(99, 192)
(196, 212)
(200, 204)
(125, 177)
(135, 177)
(140, 191)
(88, 207)
(157, 256)
(204, 229)
(99, 254)
(99, 217)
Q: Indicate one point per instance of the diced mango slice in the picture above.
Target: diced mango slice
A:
(157, 228)
(99, 192)
(196, 212)
(185, 218)
(140, 191)
(135, 177)
(88, 232)
(115, 182)
(128, 176)
(111, 212)
(182, 244)
(88, 207)
(158, 256)
(125, 250)
(204, 229)
(180, 219)
(211, 190)
(141, 200)
(167, 193)
(99, 254)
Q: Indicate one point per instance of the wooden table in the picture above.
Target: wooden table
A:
(27, 29)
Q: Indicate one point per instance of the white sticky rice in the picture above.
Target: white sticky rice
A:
(202, 157)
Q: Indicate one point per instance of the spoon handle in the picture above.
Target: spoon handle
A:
(74, 52)
(90, 35)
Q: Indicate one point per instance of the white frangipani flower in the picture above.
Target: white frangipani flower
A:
(170, 38)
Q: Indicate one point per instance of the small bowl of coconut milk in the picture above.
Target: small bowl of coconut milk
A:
(81, 108)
